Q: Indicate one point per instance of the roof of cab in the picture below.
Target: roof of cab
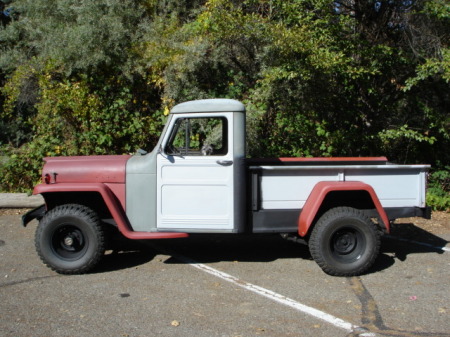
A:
(209, 105)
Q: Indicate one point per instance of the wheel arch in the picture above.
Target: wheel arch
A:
(328, 194)
(98, 197)
(61, 194)
(107, 199)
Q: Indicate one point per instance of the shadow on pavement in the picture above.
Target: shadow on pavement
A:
(405, 239)
(205, 248)
(118, 260)
(123, 253)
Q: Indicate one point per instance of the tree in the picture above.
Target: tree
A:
(318, 77)
(72, 81)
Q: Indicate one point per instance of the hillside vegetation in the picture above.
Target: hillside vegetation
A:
(318, 77)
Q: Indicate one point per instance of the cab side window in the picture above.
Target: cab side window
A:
(199, 137)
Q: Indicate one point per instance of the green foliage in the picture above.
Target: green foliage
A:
(21, 170)
(73, 119)
(318, 77)
(71, 86)
(403, 140)
(431, 67)
(78, 36)
(438, 195)
(18, 96)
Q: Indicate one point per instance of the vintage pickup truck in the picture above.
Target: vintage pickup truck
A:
(198, 180)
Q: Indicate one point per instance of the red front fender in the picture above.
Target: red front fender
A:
(319, 193)
(113, 205)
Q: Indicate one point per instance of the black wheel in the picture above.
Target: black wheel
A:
(70, 239)
(344, 242)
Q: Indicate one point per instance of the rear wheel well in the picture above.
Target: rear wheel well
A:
(358, 199)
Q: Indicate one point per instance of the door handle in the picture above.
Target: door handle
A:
(225, 162)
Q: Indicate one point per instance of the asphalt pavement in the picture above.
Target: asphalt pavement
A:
(225, 286)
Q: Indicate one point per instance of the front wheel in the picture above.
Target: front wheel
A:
(70, 239)
(344, 242)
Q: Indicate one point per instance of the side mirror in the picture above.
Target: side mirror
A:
(141, 152)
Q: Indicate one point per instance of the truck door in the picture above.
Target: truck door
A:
(195, 174)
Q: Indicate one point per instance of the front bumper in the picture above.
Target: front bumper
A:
(36, 213)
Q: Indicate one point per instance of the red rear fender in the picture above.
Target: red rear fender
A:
(320, 192)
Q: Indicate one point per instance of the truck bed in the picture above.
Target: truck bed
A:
(280, 187)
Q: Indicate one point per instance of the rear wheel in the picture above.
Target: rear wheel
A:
(70, 239)
(344, 242)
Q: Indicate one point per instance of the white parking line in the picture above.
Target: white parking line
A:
(445, 249)
(330, 319)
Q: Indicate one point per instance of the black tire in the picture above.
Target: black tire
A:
(70, 239)
(344, 242)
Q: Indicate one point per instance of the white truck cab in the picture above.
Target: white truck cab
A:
(196, 173)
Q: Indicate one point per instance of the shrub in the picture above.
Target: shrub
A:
(438, 196)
